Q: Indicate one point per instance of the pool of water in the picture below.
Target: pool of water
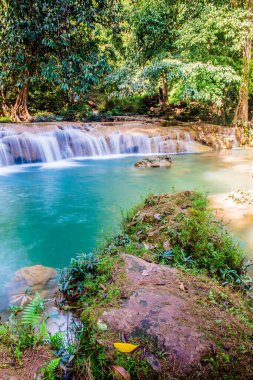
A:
(50, 213)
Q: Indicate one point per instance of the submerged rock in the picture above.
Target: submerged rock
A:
(154, 162)
(30, 280)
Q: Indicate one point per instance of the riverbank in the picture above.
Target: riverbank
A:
(173, 285)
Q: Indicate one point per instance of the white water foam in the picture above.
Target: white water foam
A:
(61, 144)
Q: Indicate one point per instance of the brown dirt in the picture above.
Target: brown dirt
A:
(33, 360)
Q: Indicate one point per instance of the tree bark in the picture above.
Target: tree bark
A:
(20, 111)
(71, 97)
(165, 88)
(242, 110)
(4, 107)
(160, 95)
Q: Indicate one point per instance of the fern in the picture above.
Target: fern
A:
(48, 372)
(33, 311)
(42, 334)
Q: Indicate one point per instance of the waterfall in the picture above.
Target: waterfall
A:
(58, 144)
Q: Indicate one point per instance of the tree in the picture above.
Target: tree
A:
(221, 33)
(153, 26)
(57, 40)
(242, 110)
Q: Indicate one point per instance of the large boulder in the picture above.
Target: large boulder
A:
(154, 162)
(161, 309)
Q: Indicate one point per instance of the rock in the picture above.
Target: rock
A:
(154, 162)
(30, 280)
(162, 314)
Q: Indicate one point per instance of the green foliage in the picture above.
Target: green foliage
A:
(48, 372)
(89, 276)
(153, 26)
(56, 341)
(200, 237)
(198, 81)
(79, 276)
(70, 52)
(56, 42)
(5, 119)
(207, 84)
(217, 34)
(25, 330)
(197, 239)
(33, 311)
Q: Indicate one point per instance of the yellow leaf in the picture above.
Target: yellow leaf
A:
(125, 347)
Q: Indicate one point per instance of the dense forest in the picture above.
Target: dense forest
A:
(71, 59)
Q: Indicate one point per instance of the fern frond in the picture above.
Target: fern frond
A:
(33, 311)
(43, 333)
(49, 370)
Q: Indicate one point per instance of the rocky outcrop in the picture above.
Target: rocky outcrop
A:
(154, 162)
(171, 312)
(160, 309)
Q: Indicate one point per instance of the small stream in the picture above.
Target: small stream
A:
(49, 212)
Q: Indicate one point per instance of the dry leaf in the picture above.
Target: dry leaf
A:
(120, 373)
(125, 347)
(181, 286)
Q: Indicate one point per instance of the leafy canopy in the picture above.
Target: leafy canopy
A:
(58, 40)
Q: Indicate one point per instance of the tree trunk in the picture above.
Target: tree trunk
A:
(71, 97)
(160, 95)
(20, 111)
(4, 107)
(242, 110)
(165, 88)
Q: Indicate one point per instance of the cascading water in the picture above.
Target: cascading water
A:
(59, 144)
(26, 147)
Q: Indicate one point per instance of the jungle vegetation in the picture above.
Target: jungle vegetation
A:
(73, 58)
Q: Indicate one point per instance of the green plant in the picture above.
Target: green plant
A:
(25, 328)
(89, 277)
(32, 312)
(56, 341)
(198, 241)
(48, 372)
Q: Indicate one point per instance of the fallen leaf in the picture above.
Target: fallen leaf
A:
(120, 373)
(125, 347)
(181, 286)
(102, 286)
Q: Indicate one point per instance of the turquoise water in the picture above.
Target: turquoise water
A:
(50, 213)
